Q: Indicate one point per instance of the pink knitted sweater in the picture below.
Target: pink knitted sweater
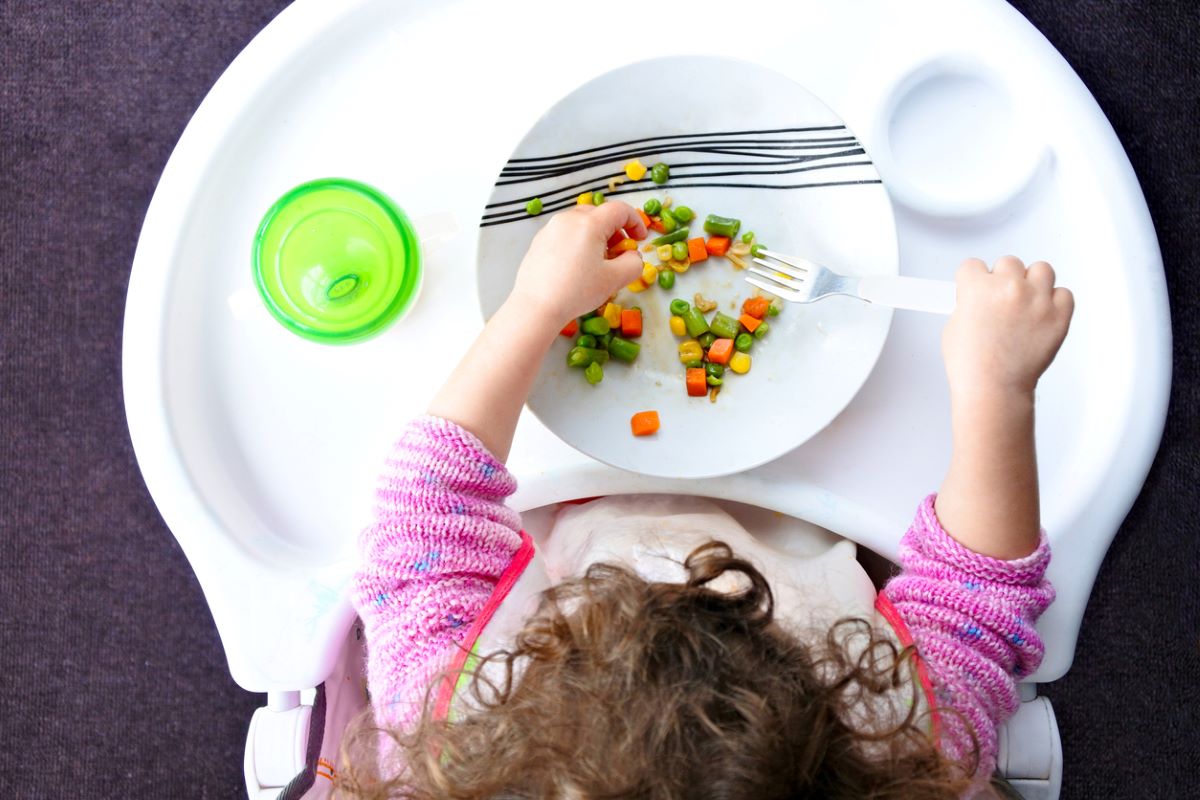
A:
(442, 539)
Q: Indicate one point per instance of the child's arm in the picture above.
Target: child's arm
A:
(563, 276)
(442, 536)
(974, 560)
(1005, 331)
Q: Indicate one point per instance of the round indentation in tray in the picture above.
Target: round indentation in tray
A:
(955, 141)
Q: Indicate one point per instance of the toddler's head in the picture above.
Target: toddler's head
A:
(618, 687)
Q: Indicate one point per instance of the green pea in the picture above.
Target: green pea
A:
(748, 237)
(534, 207)
(706, 339)
(679, 251)
(761, 331)
(660, 173)
(743, 342)
(594, 373)
(711, 380)
(587, 340)
(695, 363)
(772, 310)
(684, 214)
(652, 206)
(678, 307)
(597, 198)
(666, 279)
(716, 370)
(668, 221)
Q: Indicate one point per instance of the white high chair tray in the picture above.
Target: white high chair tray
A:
(261, 448)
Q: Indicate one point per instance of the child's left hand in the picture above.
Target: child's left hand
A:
(565, 273)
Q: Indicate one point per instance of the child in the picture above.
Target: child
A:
(712, 681)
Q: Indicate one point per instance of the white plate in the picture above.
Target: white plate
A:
(742, 141)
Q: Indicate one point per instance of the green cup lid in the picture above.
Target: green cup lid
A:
(336, 261)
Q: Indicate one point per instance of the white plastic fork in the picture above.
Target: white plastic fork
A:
(802, 281)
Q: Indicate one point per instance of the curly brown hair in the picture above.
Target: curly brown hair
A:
(617, 687)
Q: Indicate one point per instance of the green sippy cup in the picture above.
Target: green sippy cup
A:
(336, 261)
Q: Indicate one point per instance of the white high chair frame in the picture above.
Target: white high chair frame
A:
(288, 109)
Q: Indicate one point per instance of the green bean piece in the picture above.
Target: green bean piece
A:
(623, 349)
(660, 173)
(582, 356)
(652, 206)
(713, 380)
(678, 307)
(587, 340)
(679, 251)
(748, 237)
(757, 249)
(597, 198)
(706, 339)
(684, 214)
(594, 373)
(604, 341)
(588, 315)
(761, 330)
(743, 342)
(534, 207)
(671, 238)
(695, 363)
(716, 370)
(721, 226)
(596, 326)
(695, 322)
(772, 310)
(724, 326)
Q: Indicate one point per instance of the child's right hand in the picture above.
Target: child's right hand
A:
(565, 273)
(1006, 327)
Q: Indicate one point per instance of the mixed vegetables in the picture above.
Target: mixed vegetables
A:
(714, 347)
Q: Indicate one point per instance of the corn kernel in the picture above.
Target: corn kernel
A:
(584, 199)
(690, 351)
(664, 253)
(637, 286)
(649, 273)
(681, 266)
(677, 326)
(636, 170)
(612, 314)
(740, 363)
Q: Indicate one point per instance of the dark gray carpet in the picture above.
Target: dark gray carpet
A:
(114, 680)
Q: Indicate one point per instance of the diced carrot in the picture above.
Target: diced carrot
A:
(717, 245)
(644, 423)
(616, 237)
(697, 382)
(749, 323)
(656, 225)
(570, 329)
(756, 307)
(697, 250)
(631, 322)
(645, 219)
(720, 351)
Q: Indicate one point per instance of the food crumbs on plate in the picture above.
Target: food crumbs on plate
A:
(644, 423)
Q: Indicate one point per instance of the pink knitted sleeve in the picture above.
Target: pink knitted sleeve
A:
(971, 618)
(441, 538)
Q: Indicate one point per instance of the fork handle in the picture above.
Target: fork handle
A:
(914, 294)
